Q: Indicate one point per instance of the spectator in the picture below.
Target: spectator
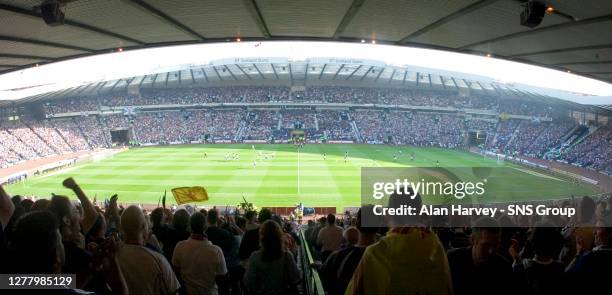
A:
(409, 258)
(198, 262)
(540, 274)
(77, 259)
(250, 240)
(218, 236)
(37, 249)
(329, 237)
(6, 212)
(146, 271)
(271, 270)
(479, 269)
(178, 232)
(594, 267)
(340, 265)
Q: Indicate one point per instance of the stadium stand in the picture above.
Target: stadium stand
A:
(534, 131)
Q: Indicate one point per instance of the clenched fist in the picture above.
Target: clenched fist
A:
(70, 183)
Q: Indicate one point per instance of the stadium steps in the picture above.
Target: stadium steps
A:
(63, 138)
(356, 131)
(570, 133)
(82, 133)
(555, 151)
(37, 135)
(515, 133)
(22, 156)
(579, 139)
(497, 130)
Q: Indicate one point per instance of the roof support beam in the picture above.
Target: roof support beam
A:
(569, 49)
(379, 73)
(20, 56)
(167, 78)
(366, 73)
(443, 82)
(352, 73)
(231, 73)
(259, 72)
(481, 87)
(457, 14)
(114, 85)
(205, 75)
(322, 70)
(348, 17)
(455, 82)
(43, 43)
(217, 72)
(499, 93)
(338, 71)
(71, 91)
(128, 82)
(31, 13)
(142, 81)
(245, 73)
(469, 85)
(290, 74)
(154, 80)
(595, 62)
(565, 25)
(192, 77)
(142, 5)
(429, 77)
(253, 9)
(391, 77)
(274, 71)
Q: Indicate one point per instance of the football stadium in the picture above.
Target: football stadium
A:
(305, 147)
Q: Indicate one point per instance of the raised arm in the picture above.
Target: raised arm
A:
(6, 208)
(89, 211)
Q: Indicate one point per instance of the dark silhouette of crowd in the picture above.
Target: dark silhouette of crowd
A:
(129, 250)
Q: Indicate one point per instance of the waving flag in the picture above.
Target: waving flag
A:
(184, 195)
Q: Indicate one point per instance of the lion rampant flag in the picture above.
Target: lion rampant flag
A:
(184, 195)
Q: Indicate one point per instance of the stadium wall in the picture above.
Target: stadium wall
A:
(52, 164)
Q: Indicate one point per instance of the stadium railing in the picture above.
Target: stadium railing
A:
(312, 281)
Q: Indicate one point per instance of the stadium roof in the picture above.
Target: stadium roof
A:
(577, 37)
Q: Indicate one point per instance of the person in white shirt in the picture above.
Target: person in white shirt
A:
(145, 271)
(197, 261)
(329, 237)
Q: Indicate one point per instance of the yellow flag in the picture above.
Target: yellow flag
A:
(184, 195)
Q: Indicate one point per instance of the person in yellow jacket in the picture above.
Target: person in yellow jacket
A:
(409, 260)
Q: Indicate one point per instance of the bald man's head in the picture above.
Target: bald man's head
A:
(351, 235)
(133, 223)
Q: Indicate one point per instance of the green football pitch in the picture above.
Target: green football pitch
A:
(271, 174)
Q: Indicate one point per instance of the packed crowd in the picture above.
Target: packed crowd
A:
(322, 94)
(594, 151)
(420, 129)
(117, 250)
(129, 250)
(30, 139)
(336, 125)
